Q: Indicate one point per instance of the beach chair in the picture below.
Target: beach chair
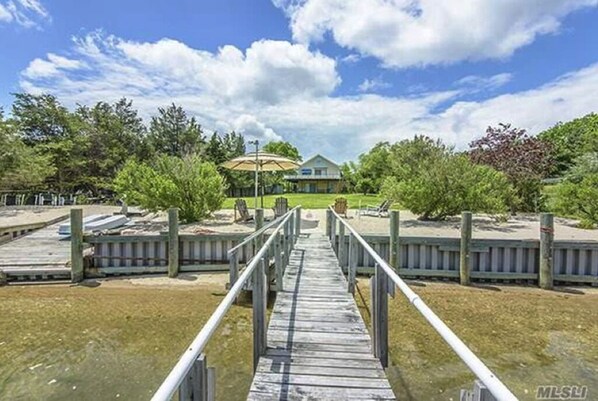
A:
(281, 206)
(340, 206)
(241, 207)
(379, 211)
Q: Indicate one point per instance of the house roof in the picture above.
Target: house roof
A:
(319, 155)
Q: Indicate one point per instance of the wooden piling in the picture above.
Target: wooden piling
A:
(333, 232)
(394, 252)
(341, 244)
(173, 242)
(278, 267)
(260, 300)
(381, 321)
(297, 222)
(352, 268)
(546, 250)
(77, 273)
(465, 249)
(233, 273)
(259, 223)
(328, 223)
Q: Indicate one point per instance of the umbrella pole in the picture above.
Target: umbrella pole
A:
(256, 172)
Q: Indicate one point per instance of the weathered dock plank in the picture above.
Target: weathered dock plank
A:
(42, 253)
(318, 344)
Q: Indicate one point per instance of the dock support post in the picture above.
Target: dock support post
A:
(195, 385)
(352, 263)
(297, 222)
(285, 245)
(328, 223)
(291, 224)
(77, 273)
(259, 223)
(546, 250)
(211, 396)
(380, 316)
(260, 299)
(278, 263)
(333, 233)
(173, 242)
(394, 259)
(341, 245)
(233, 273)
(465, 249)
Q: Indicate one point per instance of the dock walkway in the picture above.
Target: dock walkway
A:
(318, 344)
(42, 254)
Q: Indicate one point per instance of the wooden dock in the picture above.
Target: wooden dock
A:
(41, 254)
(318, 344)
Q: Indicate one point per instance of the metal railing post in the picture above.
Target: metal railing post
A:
(260, 299)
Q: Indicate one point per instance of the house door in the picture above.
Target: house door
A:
(312, 188)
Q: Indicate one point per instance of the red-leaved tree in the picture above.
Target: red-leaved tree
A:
(524, 159)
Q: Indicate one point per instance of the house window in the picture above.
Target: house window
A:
(305, 171)
(320, 171)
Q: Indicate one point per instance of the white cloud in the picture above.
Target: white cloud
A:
(405, 33)
(351, 58)
(27, 13)
(251, 128)
(374, 84)
(276, 90)
(476, 83)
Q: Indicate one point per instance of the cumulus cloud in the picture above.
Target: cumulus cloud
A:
(27, 13)
(404, 33)
(291, 96)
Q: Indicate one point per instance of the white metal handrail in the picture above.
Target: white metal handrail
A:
(178, 373)
(489, 379)
(256, 233)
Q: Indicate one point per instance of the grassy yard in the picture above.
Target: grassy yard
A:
(312, 201)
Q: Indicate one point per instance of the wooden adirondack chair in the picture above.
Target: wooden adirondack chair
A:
(281, 206)
(241, 207)
(340, 206)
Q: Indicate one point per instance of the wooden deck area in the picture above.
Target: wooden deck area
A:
(38, 255)
(318, 344)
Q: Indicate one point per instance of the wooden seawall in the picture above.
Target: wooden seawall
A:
(318, 344)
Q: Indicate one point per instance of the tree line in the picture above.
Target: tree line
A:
(504, 171)
(45, 146)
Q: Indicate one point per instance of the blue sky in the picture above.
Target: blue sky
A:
(331, 76)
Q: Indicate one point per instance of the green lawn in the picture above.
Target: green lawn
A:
(312, 201)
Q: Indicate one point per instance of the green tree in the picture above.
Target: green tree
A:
(281, 148)
(40, 118)
(21, 167)
(372, 169)
(570, 140)
(173, 133)
(114, 133)
(449, 184)
(577, 195)
(192, 185)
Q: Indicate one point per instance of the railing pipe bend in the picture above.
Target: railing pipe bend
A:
(184, 364)
(490, 380)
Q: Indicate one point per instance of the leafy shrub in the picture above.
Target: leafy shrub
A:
(448, 185)
(578, 195)
(195, 187)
